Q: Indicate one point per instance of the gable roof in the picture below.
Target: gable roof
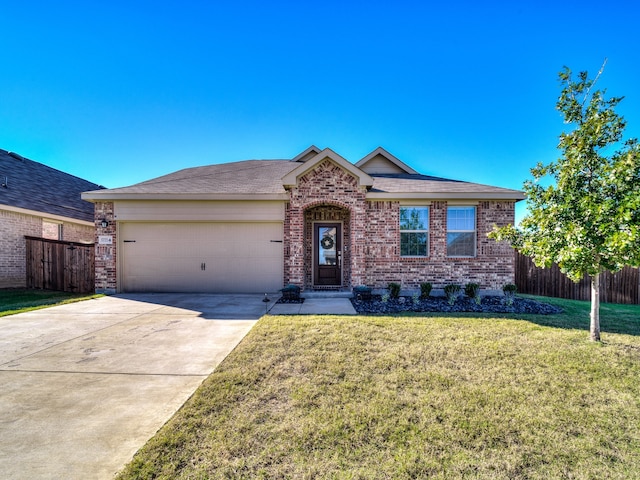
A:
(291, 178)
(381, 161)
(30, 185)
(269, 179)
(310, 152)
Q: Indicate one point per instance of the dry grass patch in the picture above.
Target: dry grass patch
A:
(408, 397)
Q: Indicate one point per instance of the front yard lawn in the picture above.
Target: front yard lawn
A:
(17, 300)
(406, 397)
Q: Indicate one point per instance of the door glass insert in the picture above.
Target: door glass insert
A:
(328, 253)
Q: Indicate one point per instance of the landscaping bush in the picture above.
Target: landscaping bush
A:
(425, 290)
(394, 289)
(291, 292)
(472, 290)
(362, 292)
(452, 291)
(509, 291)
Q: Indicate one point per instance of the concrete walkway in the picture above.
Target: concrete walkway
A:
(83, 386)
(315, 306)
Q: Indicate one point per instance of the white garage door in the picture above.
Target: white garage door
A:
(201, 257)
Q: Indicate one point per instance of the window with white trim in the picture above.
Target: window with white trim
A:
(414, 231)
(461, 231)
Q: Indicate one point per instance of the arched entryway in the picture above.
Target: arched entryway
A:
(327, 252)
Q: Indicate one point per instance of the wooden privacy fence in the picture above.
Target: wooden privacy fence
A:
(619, 287)
(60, 265)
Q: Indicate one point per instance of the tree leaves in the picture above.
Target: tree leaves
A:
(588, 219)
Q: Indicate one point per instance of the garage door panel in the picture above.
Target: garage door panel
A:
(201, 257)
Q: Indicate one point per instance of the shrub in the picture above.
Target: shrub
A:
(425, 290)
(362, 292)
(452, 291)
(394, 289)
(291, 292)
(472, 290)
(509, 291)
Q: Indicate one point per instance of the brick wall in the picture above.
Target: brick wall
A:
(492, 267)
(326, 192)
(14, 227)
(106, 279)
(371, 235)
(51, 230)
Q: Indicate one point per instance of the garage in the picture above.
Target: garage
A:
(221, 257)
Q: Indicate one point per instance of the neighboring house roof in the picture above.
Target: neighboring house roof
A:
(268, 179)
(29, 185)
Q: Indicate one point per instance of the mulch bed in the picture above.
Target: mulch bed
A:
(489, 304)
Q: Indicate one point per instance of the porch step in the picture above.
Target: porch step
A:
(343, 293)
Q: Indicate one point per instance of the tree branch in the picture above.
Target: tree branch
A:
(595, 80)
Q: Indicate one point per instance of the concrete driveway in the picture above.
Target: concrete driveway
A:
(83, 386)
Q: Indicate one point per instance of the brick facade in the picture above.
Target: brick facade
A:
(105, 258)
(328, 192)
(371, 237)
(14, 227)
(492, 267)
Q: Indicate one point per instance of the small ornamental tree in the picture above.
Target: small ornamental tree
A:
(588, 219)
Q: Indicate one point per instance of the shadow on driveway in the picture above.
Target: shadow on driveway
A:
(83, 386)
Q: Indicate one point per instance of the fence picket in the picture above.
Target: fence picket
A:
(619, 287)
(60, 265)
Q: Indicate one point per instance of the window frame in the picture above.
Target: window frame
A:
(425, 231)
(474, 231)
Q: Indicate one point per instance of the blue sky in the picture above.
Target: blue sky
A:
(120, 92)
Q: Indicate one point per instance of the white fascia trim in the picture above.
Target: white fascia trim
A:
(97, 197)
(46, 216)
(445, 196)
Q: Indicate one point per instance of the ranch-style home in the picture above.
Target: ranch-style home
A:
(317, 221)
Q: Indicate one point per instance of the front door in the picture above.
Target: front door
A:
(327, 253)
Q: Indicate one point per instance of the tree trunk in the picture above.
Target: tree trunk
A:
(595, 308)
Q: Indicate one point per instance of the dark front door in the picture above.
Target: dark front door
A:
(327, 253)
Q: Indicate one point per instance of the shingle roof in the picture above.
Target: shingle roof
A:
(264, 177)
(250, 176)
(34, 186)
(408, 183)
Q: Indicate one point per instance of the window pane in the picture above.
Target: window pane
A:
(413, 244)
(461, 244)
(414, 218)
(461, 218)
(327, 252)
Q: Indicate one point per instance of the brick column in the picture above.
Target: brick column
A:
(105, 258)
(294, 246)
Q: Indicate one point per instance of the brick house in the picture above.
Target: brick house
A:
(38, 201)
(316, 221)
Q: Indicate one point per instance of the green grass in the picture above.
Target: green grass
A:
(18, 300)
(407, 397)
